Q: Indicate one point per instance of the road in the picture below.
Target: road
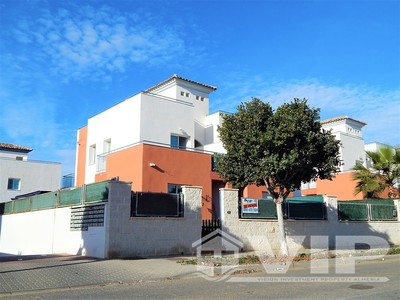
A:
(200, 288)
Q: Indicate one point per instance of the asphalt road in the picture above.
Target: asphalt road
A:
(200, 288)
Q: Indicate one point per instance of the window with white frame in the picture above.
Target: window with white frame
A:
(14, 184)
(92, 154)
(107, 146)
(178, 142)
(309, 185)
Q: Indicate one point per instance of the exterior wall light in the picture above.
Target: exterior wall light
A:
(152, 165)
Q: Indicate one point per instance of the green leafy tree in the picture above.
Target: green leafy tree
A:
(278, 149)
(384, 173)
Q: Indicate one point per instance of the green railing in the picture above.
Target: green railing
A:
(367, 210)
(96, 192)
(70, 197)
(298, 208)
(43, 201)
(91, 193)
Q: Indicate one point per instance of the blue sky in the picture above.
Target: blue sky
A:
(62, 62)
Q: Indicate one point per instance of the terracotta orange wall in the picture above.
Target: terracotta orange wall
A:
(253, 191)
(342, 186)
(172, 166)
(385, 194)
(178, 167)
(81, 157)
(127, 164)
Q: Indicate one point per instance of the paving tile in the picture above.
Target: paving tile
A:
(56, 272)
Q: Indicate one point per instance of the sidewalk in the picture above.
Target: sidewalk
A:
(27, 273)
(30, 273)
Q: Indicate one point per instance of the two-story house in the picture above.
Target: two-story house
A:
(352, 152)
(159, 139)
(19, 175)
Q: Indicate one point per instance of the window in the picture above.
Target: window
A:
(178, 142)
(174, 188)
(107, 146)
(309, 185)
(92, 154)
(182, 93)
(187, 94)
(14, 184)
(199, 98)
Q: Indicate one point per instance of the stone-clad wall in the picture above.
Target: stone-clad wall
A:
(151, 236)
(259, 235)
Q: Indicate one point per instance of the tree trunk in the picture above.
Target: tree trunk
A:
(281, 228)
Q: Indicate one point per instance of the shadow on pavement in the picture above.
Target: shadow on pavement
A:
(51, 257)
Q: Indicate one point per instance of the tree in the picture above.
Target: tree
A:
(384, 173)
(279, 149)
(368, 183)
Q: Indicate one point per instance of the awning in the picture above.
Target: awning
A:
(306, 199)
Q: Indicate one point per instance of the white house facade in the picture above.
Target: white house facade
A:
(174, 112)
(19, 175)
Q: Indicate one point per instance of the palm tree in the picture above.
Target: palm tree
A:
(384, 173)
(368, 182)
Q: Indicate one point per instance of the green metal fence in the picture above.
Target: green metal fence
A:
(367, 210)
(44, 201)
(298, 208)
(353, 211)
(96, 192)
(305, 208)
(266, 209)
(22, 205)
(70, 197)
(8, 207)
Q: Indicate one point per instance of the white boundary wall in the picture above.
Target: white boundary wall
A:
(258, 235)
(48, 231)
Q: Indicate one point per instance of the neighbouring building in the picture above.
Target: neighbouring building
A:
(352, 152)
(374, 147)
(19, 175)
(159, 139)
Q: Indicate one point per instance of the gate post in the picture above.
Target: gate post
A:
(192, 196)
(229, 206)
